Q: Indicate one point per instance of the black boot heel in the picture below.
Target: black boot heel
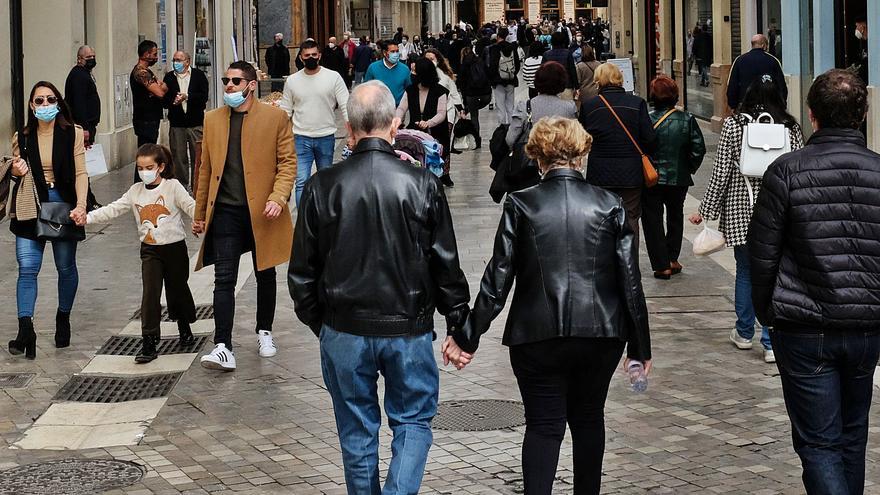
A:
(26, 340)
(62, 329)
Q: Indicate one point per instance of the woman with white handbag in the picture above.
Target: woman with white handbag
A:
(744, 150)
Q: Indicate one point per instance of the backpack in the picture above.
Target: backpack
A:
(762, 144)
(479, 81)
(506, 67)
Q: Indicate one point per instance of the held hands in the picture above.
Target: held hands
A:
(198, 227)
(273, 210)
(19, 167)
(78, 215)
(453, 354)
(695, 219)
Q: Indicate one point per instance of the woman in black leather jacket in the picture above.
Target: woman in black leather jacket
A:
(578, 302)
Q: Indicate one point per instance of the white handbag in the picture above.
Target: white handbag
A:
(762, 144)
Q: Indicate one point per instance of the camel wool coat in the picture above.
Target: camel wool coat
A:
(269, 160)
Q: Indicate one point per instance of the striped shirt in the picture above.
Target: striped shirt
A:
(529, 68)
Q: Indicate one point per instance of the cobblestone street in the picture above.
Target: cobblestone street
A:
(712, 421)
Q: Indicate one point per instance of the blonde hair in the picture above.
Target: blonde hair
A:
(557, 142)
(608, 75)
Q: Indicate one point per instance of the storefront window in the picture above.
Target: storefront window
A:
(699, 49)
(550, 10)
(514, 9)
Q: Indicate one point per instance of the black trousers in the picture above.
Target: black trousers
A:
(564, 380)
(663, 242)
(632, 202)
(231, 236)
(474, 105)
(168, 264)
(147, 132)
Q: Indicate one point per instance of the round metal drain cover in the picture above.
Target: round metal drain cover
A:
(69, 477)
(479, 415)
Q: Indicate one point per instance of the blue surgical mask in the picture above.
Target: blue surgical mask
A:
(178, 67)
(394, 57)
(46, 113)
(234, 100)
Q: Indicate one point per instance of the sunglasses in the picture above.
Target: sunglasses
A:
(235, 80)
(40, 100)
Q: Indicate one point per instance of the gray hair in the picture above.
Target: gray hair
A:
(371, 107)
(186, 55)
(82, 50)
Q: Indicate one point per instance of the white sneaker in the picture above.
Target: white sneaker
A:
(220, 358)
(739, 342)
(267, 345)
(769, 357)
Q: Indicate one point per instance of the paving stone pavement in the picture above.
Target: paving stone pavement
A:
(712, 421)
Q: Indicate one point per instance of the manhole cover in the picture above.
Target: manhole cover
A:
(203, 312)
(129, 346)
(69, 477)
(16, 380)
(105, 389)
(479, 415)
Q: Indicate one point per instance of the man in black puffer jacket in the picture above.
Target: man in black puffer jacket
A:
(814, 244)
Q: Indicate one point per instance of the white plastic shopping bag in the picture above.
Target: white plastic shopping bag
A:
(708, 241)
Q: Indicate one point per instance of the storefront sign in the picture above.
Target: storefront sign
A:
(568, 9)
(626, 66)
(494, 10)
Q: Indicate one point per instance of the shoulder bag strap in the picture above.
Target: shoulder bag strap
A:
(667, 114)
(622, 125)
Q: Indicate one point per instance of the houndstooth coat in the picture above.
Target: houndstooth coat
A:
(726, 196)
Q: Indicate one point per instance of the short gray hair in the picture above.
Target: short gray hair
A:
(82, 50)
(371, 107)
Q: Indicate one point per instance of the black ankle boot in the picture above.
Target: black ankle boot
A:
(26, 340)
(186, 335)
(62, 329)
(148, 350)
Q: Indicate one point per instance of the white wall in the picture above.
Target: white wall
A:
(52, 31)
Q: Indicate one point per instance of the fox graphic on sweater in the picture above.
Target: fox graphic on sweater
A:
(151, 214)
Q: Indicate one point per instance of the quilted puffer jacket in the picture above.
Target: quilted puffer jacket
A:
(814, 238)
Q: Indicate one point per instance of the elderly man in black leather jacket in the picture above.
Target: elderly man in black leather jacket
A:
(374, 254)
(578, 302)
(815, 258)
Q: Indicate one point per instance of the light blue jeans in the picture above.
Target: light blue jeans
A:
(745, 312)
(311, 150)
(351, 365)
(29, 254)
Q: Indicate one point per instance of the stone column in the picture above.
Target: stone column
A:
(720, 71)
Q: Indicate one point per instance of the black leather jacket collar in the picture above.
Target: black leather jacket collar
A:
(373, 144)
(563, 173)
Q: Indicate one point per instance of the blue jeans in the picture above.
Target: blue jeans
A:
(29, 254)
(351, 365)
(745, 312)
(311, 150)
(827, 382)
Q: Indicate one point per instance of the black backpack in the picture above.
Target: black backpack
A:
(516, 171)
(479, 80)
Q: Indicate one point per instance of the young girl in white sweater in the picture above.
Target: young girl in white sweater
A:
(157, 204)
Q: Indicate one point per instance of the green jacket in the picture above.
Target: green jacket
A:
(680, 147)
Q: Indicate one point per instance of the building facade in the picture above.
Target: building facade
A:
(808, 36)
(44, 37)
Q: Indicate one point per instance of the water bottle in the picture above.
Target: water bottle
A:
(637, 377)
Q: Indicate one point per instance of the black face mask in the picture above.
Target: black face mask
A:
(311, 63)
(90, 63)
(152, 62)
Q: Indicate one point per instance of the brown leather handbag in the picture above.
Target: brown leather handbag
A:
(648, 169)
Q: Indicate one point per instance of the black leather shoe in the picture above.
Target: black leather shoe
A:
(186, 335)
(148, 350)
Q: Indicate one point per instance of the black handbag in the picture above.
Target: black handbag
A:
(54, 224)
(516, 171)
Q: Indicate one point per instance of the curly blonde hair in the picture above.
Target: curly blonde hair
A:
(556, 142)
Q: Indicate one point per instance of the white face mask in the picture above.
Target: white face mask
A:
(148, 176)
(859, 35)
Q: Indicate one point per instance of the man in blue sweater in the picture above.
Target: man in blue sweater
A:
(390, 71)
(751, 67)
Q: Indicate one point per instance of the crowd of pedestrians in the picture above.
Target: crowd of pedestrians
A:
(373, 252)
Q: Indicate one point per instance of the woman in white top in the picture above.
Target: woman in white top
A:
(454, 105)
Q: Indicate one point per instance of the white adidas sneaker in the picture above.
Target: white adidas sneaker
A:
(267, 345)
(220, 358)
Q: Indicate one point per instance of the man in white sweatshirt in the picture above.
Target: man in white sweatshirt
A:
(311, 97)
